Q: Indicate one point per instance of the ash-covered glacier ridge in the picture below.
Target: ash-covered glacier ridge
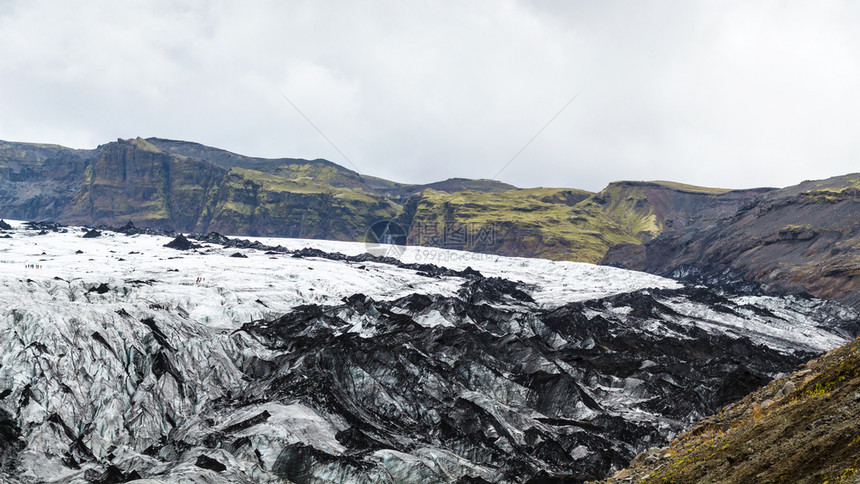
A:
(304, 361)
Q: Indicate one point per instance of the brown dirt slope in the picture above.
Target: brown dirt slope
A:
(804, 428)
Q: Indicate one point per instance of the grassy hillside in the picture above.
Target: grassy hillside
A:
(257, 203)
(538, 222)
(321, 170)
(565, 224)
(690, 188)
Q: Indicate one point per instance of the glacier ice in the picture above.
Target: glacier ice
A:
(121, 359)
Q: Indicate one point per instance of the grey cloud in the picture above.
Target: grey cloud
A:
(731, 94)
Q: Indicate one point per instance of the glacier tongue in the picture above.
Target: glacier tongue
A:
(122, 359)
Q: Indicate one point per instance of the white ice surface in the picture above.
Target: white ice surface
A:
(554, 282)
(781, 334)
(233, 291)
(51, 317)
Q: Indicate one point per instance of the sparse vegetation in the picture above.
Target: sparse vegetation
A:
(690, 188)
(539, 222)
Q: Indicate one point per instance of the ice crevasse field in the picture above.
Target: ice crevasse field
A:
(115, 346)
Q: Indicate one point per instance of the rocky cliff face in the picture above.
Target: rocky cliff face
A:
(189, 187)
(652, 208)
(801, 239)
(137, 181)
(38, 182)
(566, 224)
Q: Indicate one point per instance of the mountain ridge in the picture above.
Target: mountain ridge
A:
(775, 238)
(804, 238)
(161, 183)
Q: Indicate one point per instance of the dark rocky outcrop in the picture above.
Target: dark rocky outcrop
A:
(127, 229)
(102, 288)
(800, 428)
(38, 182)
(10, 442)
(181, 243)
(113, 475)
(206, 462)
(46, 226)
(440, 386)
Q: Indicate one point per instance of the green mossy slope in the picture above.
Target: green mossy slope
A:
(539, 222)
(565, 224)
(256, 203)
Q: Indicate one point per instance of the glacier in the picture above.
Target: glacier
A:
(305, 361)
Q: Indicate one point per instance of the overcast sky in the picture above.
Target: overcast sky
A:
(732, 94)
